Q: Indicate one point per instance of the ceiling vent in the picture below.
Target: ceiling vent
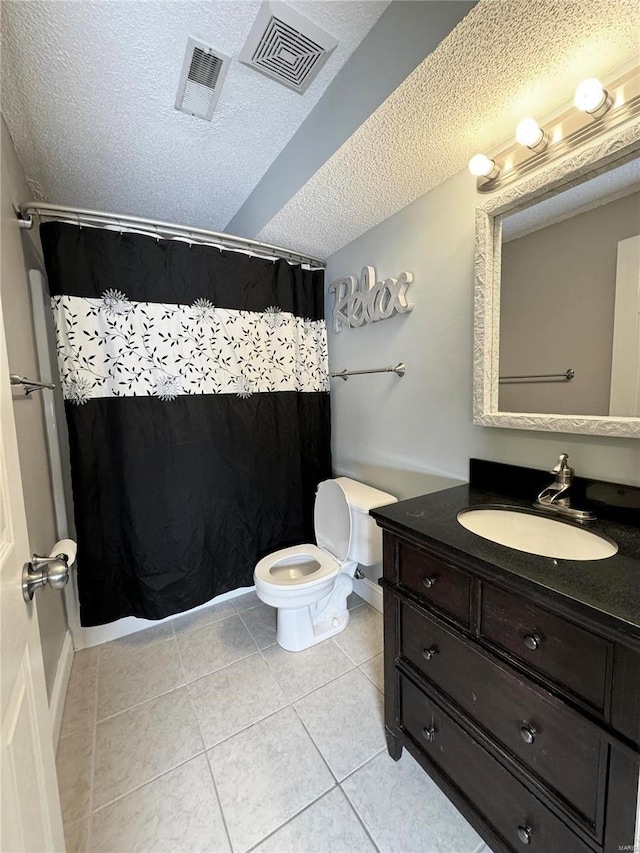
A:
(201, 79)
(286, 46)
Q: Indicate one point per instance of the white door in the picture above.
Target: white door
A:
(30, 818)
(625, 366)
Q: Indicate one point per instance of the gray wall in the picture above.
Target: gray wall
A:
(406, 435)
(557, 303)
(29, 415)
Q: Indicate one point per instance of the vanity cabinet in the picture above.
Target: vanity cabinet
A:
(525, 713)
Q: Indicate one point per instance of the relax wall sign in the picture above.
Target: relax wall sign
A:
(368, 301)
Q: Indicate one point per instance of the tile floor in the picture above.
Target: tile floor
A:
(202, 734)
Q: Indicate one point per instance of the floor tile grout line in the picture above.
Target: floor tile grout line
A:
(351, 772)
(203, 627)
(293, 817)
(319, 751)
(248, 630)
(315, 689)
(287, 703)
(219, 799)
(186, 631)
(74, 732)
(364, 764)
(94, 747)
(181, 662)
(357, 813)
(69, 691)
(147, 782)
(360, 766)
(220, 669)
(194, 711)
(379, 689)
(253, 607)
(143, 702)
(187, 679)
(119, 642)
(205, 751)
(249, 726)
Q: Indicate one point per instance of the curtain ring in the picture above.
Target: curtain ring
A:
(119, 226)
(79, 222)
(157, 234)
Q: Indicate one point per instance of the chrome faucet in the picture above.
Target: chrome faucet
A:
(554, 497)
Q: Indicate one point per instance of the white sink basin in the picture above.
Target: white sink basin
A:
(536, 534)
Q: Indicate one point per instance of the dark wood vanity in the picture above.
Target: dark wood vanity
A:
(521, 702)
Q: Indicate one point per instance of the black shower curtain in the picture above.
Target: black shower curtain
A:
(196, 397)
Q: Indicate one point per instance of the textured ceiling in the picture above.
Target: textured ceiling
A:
(507, 59)
(88, 90)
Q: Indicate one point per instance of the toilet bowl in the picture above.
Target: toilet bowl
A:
(309, 584)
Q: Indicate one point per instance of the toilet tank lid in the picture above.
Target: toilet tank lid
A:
(363, 497)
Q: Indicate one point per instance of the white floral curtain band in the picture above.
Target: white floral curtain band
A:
(115, 347)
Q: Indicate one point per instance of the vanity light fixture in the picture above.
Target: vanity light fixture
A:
(483, 167)
(593, 112)
(592, 98)
(531, 135)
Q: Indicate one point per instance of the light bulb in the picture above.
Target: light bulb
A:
(591, 98)
(530, 134)
(483, 167)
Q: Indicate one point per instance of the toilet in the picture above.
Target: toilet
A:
(309, 584)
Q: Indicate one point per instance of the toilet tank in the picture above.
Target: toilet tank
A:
(366, 536)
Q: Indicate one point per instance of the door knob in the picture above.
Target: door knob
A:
(50, 571)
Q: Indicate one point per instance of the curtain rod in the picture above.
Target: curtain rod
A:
(157, 228)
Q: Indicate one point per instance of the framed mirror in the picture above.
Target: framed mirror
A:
(557, 295)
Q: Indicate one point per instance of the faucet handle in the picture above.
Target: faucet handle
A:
(562, 470)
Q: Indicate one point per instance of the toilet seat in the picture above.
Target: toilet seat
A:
(298, 567)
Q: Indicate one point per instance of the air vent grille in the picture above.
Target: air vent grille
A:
(286, 46)
(203, 73)
(205, 68)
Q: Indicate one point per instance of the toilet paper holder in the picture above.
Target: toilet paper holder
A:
(50, 571)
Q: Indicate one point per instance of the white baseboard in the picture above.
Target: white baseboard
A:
(60, 684)
(85, 638)
(370, 591)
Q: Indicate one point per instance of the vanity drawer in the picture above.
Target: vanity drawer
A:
(444, 587)
(562, 651)
(564, 750)
(513, 811)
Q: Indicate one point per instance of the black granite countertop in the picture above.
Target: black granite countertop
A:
(606, 590)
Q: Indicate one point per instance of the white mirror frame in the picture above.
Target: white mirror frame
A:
(612, 149)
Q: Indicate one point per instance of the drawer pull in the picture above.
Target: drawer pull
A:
(429, 733)
(427, 654)
(525, 833)
(528, 733)
(428, 582)
(532, 641)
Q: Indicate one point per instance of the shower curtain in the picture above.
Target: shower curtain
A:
(196, 396)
